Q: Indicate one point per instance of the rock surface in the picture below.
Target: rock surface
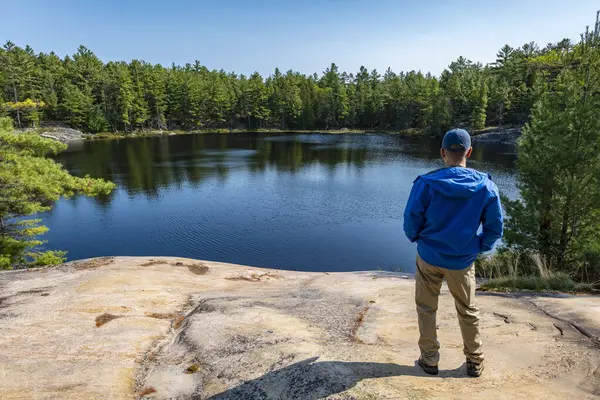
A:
(65, 135)
(171, 328)
(507, 136)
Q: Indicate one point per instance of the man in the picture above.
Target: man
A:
(445, 209)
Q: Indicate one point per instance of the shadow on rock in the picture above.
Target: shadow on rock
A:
(314, 380)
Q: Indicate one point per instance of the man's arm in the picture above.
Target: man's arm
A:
(414, 213)
(492, 223)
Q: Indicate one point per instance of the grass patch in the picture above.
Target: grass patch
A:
(557, 281)
(511, 270)
(584, 287)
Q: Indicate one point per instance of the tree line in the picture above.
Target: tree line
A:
(86, 93)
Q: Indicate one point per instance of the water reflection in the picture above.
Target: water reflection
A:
(146, 165)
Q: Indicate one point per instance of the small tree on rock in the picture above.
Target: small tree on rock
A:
(30, 183)
(558, 214)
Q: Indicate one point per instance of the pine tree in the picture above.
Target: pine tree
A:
(252, 97)
(29, 183)
(119, 97)
(139, 106)
(478, 116)
(336, 100)
(20, 78)
(258, 96)
(559, 165)
(52, 79)
(155, 94)
(76, 106)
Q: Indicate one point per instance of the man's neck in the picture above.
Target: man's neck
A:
(460, 164)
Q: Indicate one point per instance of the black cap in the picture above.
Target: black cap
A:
(456, 140)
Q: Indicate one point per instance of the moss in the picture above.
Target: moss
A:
(147, 391)
(192, 369)
(162, 315)
(198, 269)
(254, 277)
(152, 262)
(105, 318)
(358, 321)
(92, 263)
(177, 322)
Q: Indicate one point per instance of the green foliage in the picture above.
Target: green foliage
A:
(558, 215)
(588, 267)
(29, 183)
(28, 109)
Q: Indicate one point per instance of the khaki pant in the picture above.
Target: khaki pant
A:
(462, 286)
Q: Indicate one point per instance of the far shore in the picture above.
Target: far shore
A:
(507, 135)
(152, 133)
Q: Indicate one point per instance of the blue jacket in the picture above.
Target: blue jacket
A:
(445, 209)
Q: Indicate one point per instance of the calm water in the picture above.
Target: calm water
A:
(304, 202)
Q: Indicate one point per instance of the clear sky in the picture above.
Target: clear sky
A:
(304, 35)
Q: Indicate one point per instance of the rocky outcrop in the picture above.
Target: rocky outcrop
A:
(65, 135)
(171, 328)
(507, 136)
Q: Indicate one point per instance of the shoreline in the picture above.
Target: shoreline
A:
(491, 135)
(158, 133)
(507, 135)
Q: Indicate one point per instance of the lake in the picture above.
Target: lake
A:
(309, 202)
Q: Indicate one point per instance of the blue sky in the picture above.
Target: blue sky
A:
(304, 35)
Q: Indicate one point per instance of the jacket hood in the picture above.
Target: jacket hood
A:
(456, 181)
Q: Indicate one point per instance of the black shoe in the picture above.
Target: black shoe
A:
(430, 369)
(474, 369)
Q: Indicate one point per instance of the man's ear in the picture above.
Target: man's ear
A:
(443, 153)
(469, 152)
